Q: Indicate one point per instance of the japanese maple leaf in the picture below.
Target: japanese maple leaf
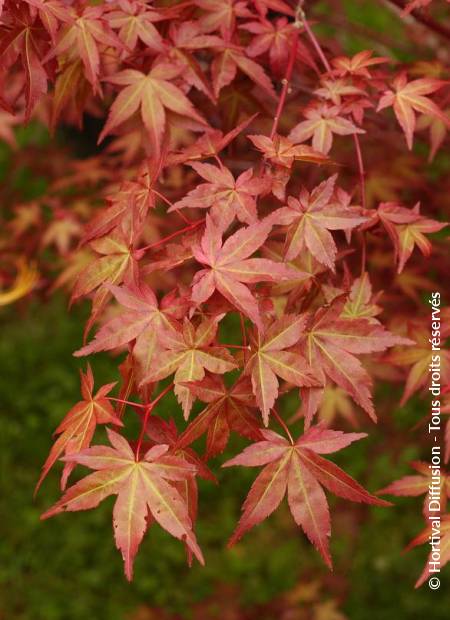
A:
(82, 37)
(335, 403)
(141, 485)
(221, 15)
(360, 303)
(407, 228)
(117, 263)
(228, 266)
(311, 217)
(298, 469)
(188, 352)
(322, 122)
(283, 152)
(78, 427)
(227, 410)
(52, 13)
(419, 484)
(437, 129)
(141, 319)
(332, 342)
(23, 41)
(357, 65)
(135, 22)
(444, 546)
(408, 97)
(61, 232)
(225, 196)
(275, 37)
(419, 358)
(226, 63)
(270, 358)
(187, 38)
(152, 93)
(132, 200)
(335, 89)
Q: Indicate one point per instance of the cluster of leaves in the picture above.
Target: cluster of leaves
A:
(200, 105)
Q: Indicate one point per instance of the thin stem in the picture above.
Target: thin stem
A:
(148, 409)
(285, 81)
(315, 42)
(362, 173)
(126, 402)
(167, 201)
(161, 395)
(173, 235)
(244, 336)
(234, 346)
(363, 253)
(141, 435)
(283, 424)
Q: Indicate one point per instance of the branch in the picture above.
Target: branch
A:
(424, 19)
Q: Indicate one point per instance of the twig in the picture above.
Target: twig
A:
(362, 173)
(173, 235)
(283, 424)
(424, 19)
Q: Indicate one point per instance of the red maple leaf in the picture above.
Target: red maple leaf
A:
(187, 353)
(298, 469)
(311, 217)
(330, 346)
(78, 427)
(229, 266)
(271, 357)
(228, 410)
(408, 97)
(141, 485)
(225, 196)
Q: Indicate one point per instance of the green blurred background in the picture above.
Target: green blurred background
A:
(67, 568)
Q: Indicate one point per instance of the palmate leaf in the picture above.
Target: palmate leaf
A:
(141, 485)
(134, 23)
(78, 427)
(228, 410)
(283, 152)
(409, 97)
(311, 217)
(152, 93)
(419, 484)
(141, 319)
(444, 547)
(225, 65)
(229, 266)
(188, 352)
(81, 38)
(23, 41)
(225, 196)
(270, 358)
(330, 346)
(117, 262)
(322, 122)
(419, 358)
(407, 228)
(298, 469)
